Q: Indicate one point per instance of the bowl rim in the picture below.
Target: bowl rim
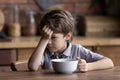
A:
(63, 60)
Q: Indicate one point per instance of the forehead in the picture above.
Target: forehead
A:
(57, 34)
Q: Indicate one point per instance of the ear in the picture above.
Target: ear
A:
(68, 36)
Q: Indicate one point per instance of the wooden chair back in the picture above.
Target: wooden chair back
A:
(19, 66)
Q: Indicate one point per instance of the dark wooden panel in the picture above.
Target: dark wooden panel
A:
(7, 56)
(24, 54)
(5, 68)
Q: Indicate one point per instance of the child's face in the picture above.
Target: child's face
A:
(58, 42)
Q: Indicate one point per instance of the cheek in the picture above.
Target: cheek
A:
(59, 43)
(56, 44)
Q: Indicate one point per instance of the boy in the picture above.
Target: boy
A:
(56, 34)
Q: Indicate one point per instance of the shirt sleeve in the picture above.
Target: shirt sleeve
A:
(46, 61)
(88, 55)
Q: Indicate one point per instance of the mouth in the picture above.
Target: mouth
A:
(49, 47)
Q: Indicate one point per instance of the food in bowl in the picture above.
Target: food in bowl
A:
(64, 65)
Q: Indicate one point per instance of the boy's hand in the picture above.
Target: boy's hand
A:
(82, 65)
(46, 32)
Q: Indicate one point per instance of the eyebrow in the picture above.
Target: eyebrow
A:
(53, 36)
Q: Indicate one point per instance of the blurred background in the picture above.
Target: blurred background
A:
(93, 17)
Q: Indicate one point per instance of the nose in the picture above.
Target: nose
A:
(50, 41)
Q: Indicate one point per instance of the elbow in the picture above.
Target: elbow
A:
(111, 64)
(32, 67)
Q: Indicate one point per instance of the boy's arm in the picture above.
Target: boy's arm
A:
(103, 63)
(36, 57)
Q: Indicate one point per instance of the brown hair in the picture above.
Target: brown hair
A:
(60, 21)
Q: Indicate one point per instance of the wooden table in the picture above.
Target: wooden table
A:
(32, 42)
(109, 74)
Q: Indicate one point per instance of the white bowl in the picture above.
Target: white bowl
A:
(64, 65)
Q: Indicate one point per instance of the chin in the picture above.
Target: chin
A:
(52, 50)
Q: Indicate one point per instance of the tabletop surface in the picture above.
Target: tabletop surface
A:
(32, 42)
(109, 74)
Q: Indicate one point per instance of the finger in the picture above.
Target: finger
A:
(81, 64)
(44, 27)
(51, 32)
(83, 61)
(78, 58)
(82, 69)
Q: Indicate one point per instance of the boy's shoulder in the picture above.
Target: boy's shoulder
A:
(76, 46)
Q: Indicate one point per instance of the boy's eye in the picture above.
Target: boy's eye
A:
(53, 37)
